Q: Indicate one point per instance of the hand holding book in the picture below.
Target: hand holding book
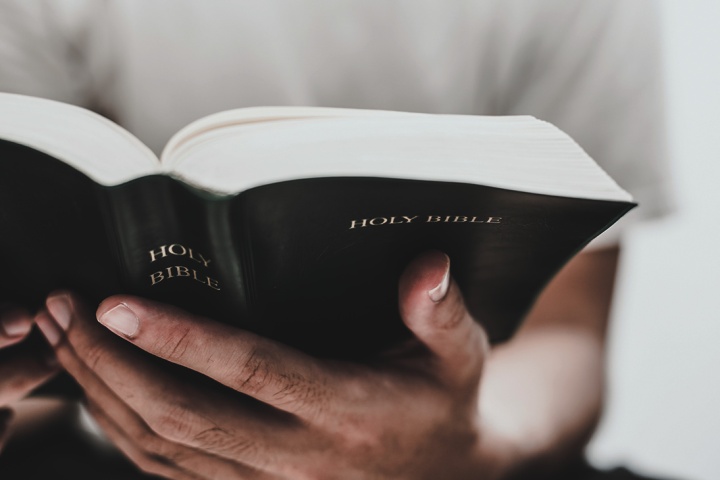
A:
(295, 224)
(299, 416)
(23, 365)
(310, 415)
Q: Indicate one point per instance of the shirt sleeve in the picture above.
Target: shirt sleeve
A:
(594, 69)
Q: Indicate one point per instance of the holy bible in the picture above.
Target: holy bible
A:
(294, 222)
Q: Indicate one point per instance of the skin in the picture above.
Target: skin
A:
(445, 405)
(22, 367)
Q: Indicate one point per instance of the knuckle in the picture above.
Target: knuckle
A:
(149, 465)
(171, 454)
(93, 354)
(295, 389)
(233, 444)
(260, 374)
(176, 423)
(213, 438)
(157, 451)
(474, 351)
(222, 441)
(174, 345)
(310, 396)
(359, 438)
(244, 448)
(144, 461)
(148, 441)
(356, 390)
(457, 314)
(253, 374)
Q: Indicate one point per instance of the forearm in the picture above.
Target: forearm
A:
(542, 395)
(542, 392)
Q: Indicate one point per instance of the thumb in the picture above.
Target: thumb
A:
(432, 307)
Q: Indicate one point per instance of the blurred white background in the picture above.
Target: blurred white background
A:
(663, 414)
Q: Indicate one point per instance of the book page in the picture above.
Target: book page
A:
(238, 150)
(89, 142)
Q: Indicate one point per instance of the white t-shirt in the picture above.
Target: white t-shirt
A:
(590, 67)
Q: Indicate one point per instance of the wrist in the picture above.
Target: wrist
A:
(501, 454)
(529, 426)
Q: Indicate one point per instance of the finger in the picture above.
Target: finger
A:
(272, 373)
(148, 463)
(432, 306)
(5, 418)
(100, 394)
(174, 409)
(23, 370)
(15, 324)
(176, 462)
(155, 448)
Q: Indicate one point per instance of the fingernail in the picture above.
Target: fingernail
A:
(16, 323)
(437, 293)
(121, 320)
(49, 328)
(59, 308)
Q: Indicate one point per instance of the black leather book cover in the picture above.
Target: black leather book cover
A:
(312, 262)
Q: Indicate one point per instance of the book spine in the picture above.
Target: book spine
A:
(176, 245)
(227, 242)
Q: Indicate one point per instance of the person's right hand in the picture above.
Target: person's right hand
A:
(22, 367)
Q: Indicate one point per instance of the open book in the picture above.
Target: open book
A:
(295, 222)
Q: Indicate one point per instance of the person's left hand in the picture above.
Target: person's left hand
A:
(23, 367)
(412, 415)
